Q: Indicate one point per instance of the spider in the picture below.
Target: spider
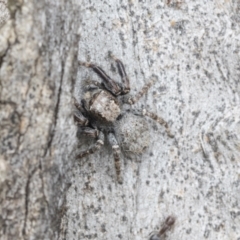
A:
(168, 223)
(101, 108)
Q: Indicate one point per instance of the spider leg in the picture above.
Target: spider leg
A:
(109, 83)
(159, 120)
(167, 225)
(80, 119)
(91, 87)
(78, 105)
(116, 154)
(142, 92)
(88, 131)
(154, 117)
(78, 115)
(96, 84)
(122, 73)
(97, 146)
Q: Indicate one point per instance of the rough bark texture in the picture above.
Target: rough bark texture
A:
(4, 13)
(193, 47)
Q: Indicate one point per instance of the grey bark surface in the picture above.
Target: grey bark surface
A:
(193, 47)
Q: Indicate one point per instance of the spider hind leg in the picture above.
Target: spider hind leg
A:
(159, 120)
(94, 148)
(116, 154)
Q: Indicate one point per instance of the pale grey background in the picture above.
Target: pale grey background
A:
(193, 48)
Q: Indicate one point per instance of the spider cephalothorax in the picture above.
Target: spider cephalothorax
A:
(101, 108)
(102, 105)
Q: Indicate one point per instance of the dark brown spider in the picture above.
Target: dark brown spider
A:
(168, 223)
(100, 109)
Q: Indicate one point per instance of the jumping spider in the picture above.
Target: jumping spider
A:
(100, 109)
(167, 225)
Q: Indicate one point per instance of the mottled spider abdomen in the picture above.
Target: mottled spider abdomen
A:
(104, 106)
(133, 134)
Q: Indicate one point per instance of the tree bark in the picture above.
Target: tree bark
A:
(193, 50)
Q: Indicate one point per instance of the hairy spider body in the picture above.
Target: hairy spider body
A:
(132, 132)
(102, 105)
(100, 110)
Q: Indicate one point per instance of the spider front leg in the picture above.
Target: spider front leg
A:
(79, 118)
(98, 144)
(122, 73)
(109, 83)
(116, 154)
